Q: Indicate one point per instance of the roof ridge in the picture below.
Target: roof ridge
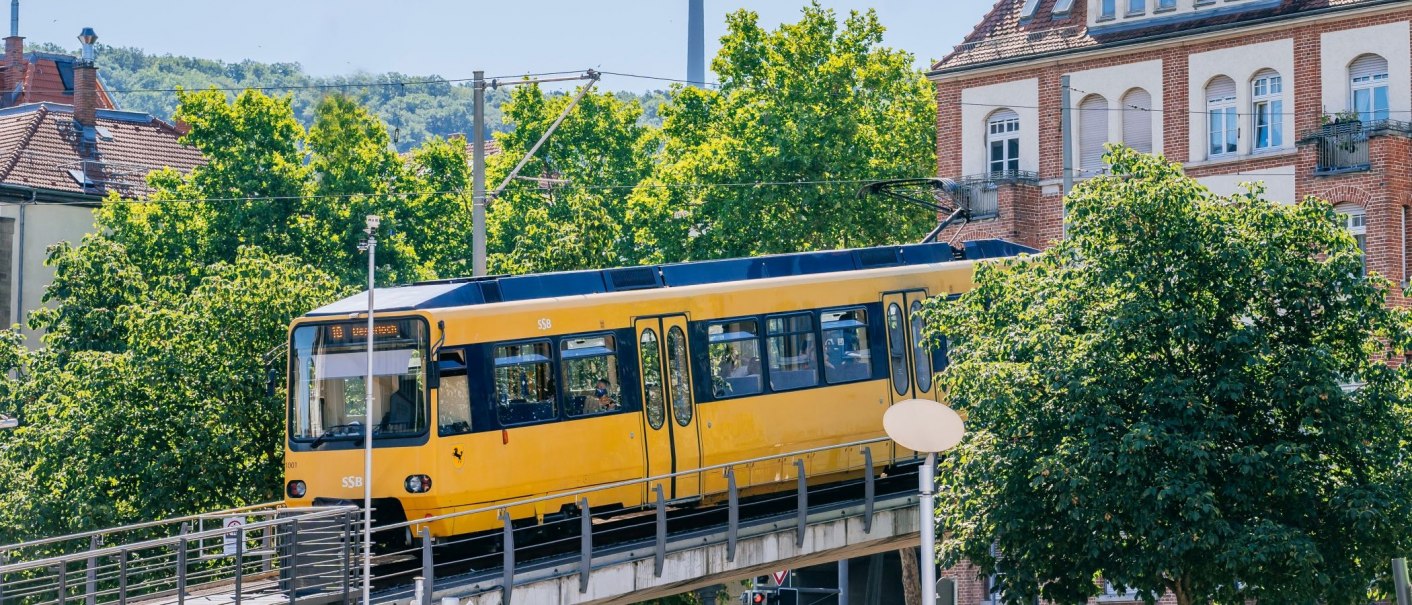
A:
(14, 159)
(976, 32)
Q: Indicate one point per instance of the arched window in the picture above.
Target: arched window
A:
(1003, 141)
(1093, 133)
(1356, 222)
(1221, 108)
(1137, 120)
(1368, 78)
(1267, 109)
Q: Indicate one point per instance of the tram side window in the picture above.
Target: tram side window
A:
(524, 383)
(792, 353)
(735, 358)
(590, 368)
(847, 356)
(453, 397)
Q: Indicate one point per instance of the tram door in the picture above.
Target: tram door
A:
(909, 363)
(671, 433)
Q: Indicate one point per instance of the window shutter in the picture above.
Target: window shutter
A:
(1220, 88)
(1367, 66)
(1093, 133)
(1137, 124)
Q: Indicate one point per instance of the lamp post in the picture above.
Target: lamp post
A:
(925, 426)
(371, 245)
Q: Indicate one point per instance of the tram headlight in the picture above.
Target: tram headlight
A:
(417, 484)
(296, 489)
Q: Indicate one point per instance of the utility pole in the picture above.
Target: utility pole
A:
(372, 246)
(1066, 133)
(478, 175)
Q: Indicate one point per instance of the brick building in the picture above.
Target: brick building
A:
(1310, 97)
(64, 147)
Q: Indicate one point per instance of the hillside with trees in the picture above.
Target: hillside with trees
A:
(414, 107)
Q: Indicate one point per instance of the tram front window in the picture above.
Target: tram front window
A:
(330, 381)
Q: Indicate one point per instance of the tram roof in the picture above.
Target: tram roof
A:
(505, 288)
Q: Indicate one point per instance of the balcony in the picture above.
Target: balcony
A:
(1343, 147)
(981, 192)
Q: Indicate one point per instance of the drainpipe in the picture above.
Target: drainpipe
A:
(20, 264)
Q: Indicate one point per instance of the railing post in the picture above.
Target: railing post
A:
(4, 560)
(732, 514)
(347, 544)
(660, 558)
(428, 569)
(868, 488)
(293, 563)
(239, 561)
(267, 545)
(91, 586)
(585, 544)
(802, 517)
(181, 564)
(63, 570)
(507, 579)
(122, 577)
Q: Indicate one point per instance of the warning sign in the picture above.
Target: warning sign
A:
(780, 576)
(232, 537)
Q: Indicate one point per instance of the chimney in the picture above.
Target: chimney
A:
(696, 43)
(86, 83)
(15, 63)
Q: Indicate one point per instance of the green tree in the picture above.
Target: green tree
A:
(813, 101)
(1162, 400)
(568, 210)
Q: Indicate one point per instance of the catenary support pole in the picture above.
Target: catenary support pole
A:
(1399, 581)
(478, 174)
(927, 481)
(843, 581)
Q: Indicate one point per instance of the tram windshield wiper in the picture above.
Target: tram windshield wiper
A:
(338, 431)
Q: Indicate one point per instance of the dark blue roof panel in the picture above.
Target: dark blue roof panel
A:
(463, 292)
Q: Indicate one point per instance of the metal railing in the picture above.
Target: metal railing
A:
(292, 550)
(981, 192)
(1344, 146)
(493, 560)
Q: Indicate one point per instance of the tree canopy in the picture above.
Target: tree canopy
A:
(1190, 394)
(817, 102)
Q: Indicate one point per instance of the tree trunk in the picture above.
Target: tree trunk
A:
(1179, 590)
(911, 577)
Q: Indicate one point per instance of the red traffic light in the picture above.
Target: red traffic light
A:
(758, 598)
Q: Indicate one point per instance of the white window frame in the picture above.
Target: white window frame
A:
(1355, 220)
(1222, 110)
(1137, 7)
(1107, 9)
(1006, 131)
(1267, 104)
(1166, 5)
(1369, 85)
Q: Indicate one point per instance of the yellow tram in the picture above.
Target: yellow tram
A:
(500, 389)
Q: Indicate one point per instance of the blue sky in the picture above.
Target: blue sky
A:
(451, 38)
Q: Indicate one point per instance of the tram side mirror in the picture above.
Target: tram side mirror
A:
(434, 376)
(270, 377)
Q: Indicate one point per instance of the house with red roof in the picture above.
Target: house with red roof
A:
(65, 146)
(1307, 97)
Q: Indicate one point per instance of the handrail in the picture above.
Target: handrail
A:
(630, 482)
(278, 504)
(310, 512)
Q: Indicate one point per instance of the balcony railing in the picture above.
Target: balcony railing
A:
(1343, 147)
(981, 192)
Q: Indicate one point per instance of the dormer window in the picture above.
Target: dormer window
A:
(1028, 10)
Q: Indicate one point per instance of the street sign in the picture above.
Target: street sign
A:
(780, 576)
(232, 524)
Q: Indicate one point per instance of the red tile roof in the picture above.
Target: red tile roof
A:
(1003, 36)
(42, 147)
(45, 83)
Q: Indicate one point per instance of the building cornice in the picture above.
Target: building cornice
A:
(1160, 41)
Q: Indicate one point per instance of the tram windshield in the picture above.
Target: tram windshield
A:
(330, 380)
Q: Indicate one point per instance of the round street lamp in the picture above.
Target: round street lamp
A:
(930, 427)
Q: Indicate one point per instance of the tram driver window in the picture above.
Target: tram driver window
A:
(524, 383)
(453, 397)
(590, 368)
(847, 356)
(735, 358)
